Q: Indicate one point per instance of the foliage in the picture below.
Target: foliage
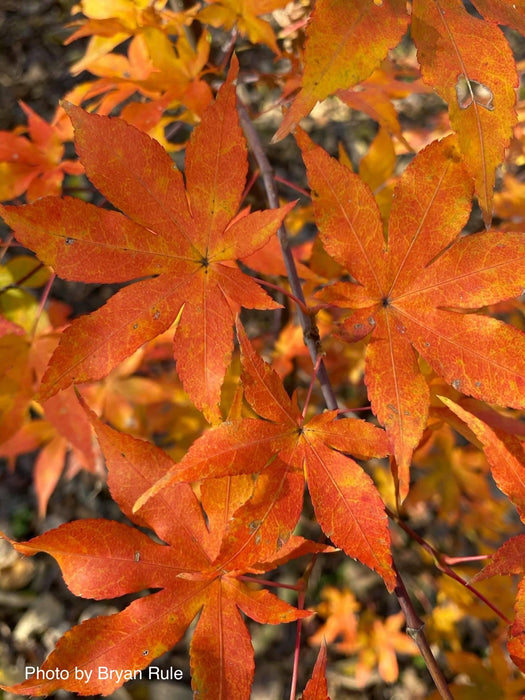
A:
(399, 297)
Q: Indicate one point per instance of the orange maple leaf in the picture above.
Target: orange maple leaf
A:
(470, 65)
(316, 688)
(339, 52)
(452, 479)
(347, 504)
(381, 645)
(467, 60)
(110, 22)
(181, 241)
(35, 163)
(502, 12)
(505, 454)
(416, 291)
(155, 70)
(244, 14)
(339, 610)
(59, 424)
(375, 641)
(198, 569)
(62, 429)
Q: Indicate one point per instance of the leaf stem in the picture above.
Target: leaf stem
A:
(5, 246)
(291, 296)
(341, 411)
(302, 585)
(250, 184)
(264, 582)
(42, 303)
(293, 187)
(30, 274)
(310, 388)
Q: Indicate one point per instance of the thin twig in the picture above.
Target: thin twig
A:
(42, 303)
(5, 245)
(264, 582)
(291, 185)
(291, 296)
(302, 585)
(415, 628)
(442, 563)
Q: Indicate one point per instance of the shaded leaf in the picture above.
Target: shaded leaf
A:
(504, 452)
(339, 53)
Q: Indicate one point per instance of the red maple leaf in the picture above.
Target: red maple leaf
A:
(316, 688)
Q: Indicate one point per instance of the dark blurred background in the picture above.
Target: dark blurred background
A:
(34, 64)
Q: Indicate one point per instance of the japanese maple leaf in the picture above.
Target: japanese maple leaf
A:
(383, 640)
(110, 22)
(339, 610)
(245, 14)
(509, 559)
(469, 63)
(180, 241)
(467, 60)
(347, 504)
(63, 428)
(26, 341)
(339, 52)
(452, 479)
(165, 79)
(414, 291)
(155, 69)
(502, 12)
(505, 454)
(196, 570)
(375, 94)
(317, 688)
(61, 425)
(34, 163)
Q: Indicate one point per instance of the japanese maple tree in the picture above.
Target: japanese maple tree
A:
(403, 280)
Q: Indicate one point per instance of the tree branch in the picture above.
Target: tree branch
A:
(310, 330)
(415, 628)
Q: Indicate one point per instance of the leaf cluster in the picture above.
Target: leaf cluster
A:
(396, 306)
